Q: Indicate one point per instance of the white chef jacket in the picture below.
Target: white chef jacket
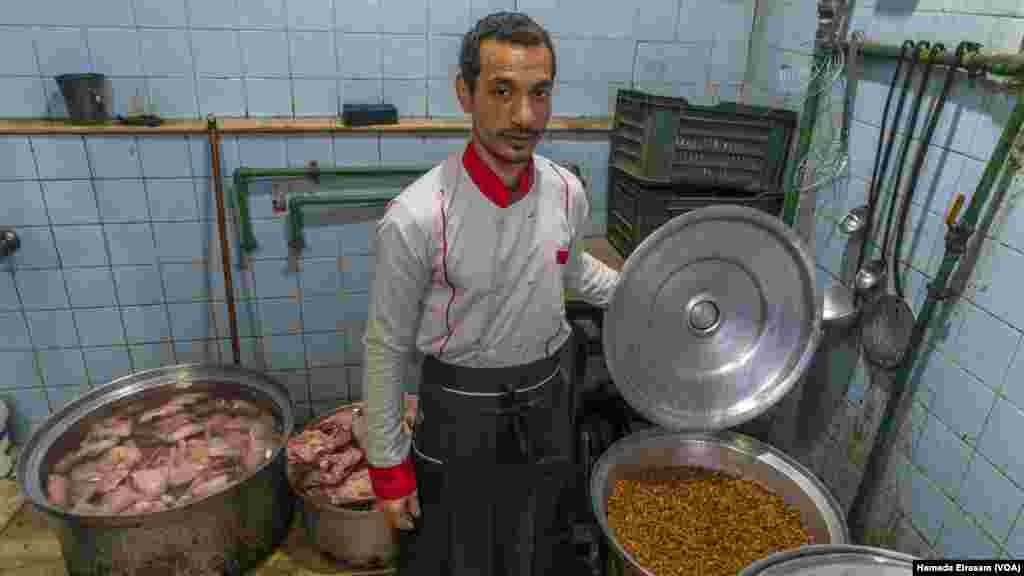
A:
(466, 278)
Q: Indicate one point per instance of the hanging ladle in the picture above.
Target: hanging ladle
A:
(871, 276)
(889, 320)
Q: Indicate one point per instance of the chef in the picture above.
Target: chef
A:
(472, 261)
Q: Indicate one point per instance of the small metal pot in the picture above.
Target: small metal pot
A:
(358, 536)
(227, 532)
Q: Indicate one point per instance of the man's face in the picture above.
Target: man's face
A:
(511, 104)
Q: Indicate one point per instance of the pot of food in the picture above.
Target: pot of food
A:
(176, 470)
(835, 560)
(715, 318)
(707, 504)
(327, 469)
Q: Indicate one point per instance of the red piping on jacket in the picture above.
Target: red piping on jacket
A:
(444, 269)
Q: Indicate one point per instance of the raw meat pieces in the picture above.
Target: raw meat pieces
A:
(147, 458)
(328, 460)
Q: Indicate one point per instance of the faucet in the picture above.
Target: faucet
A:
(9, 242)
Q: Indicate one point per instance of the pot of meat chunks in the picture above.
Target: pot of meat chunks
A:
(176, 470)
(328, 472)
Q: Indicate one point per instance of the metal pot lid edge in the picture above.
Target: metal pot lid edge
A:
(617, 330)
(44, 435)
(822, 555)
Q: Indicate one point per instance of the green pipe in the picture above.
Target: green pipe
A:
(904, 387)
(296, 220)
(343, 175)
(807, 120)
(999, 64)
(382, 170)
(247, 241)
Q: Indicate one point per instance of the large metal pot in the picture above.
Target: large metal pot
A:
(715, 318)
(722, 451)
(358, 536)
(226, 532)
(834, 560)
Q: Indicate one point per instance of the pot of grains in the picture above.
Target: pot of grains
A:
(693, 504)
(715, 318)
(327, 469)
(176, 470)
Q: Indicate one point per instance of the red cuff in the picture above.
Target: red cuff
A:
(394, 482)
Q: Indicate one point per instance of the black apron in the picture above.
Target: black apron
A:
(493, 458)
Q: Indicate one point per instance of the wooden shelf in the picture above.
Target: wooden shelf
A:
(235, 125)
(51, 127)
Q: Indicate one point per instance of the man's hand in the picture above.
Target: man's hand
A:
(400, 512)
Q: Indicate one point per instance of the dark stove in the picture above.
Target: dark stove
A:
(601, 417)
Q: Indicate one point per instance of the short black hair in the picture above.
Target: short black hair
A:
(512, 27)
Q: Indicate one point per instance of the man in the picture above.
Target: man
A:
(472, 262)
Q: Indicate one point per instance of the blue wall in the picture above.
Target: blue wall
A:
(955, 481)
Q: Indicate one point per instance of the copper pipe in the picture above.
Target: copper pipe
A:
(225, 250)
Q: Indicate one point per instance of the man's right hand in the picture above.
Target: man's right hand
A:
(400, 512)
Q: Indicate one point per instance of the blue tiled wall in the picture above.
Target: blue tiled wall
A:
(956, 479)
(119, 268)
(306, 57)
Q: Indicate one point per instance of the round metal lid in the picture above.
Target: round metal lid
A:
(716, 316)
(833, 560)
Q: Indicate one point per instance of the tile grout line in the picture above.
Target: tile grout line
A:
(107, 251)
(339, 96)
(210, 301)
(157, 260)
(145, 80)
(64, 280)
(33, 349)
(288, 30)
(192, 57)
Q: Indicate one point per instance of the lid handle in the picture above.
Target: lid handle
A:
(704, 316)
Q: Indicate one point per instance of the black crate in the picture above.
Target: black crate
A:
(637, 207)
(729, 145)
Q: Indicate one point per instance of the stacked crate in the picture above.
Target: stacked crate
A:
(669, 157)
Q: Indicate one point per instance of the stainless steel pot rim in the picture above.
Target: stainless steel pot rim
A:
(819, 555)
(183, 375)
(809, 483)
(652, 399)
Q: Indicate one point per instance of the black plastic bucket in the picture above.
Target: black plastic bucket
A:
(88, 97)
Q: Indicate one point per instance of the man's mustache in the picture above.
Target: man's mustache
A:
(522, 134)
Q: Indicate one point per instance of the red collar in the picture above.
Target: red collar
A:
(490, 183)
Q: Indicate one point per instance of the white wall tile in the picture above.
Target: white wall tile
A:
(264, 53)
(315, 97)
(20, 49)
(312, 54)
(221, 96)
(62, 51)
(310, 14)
